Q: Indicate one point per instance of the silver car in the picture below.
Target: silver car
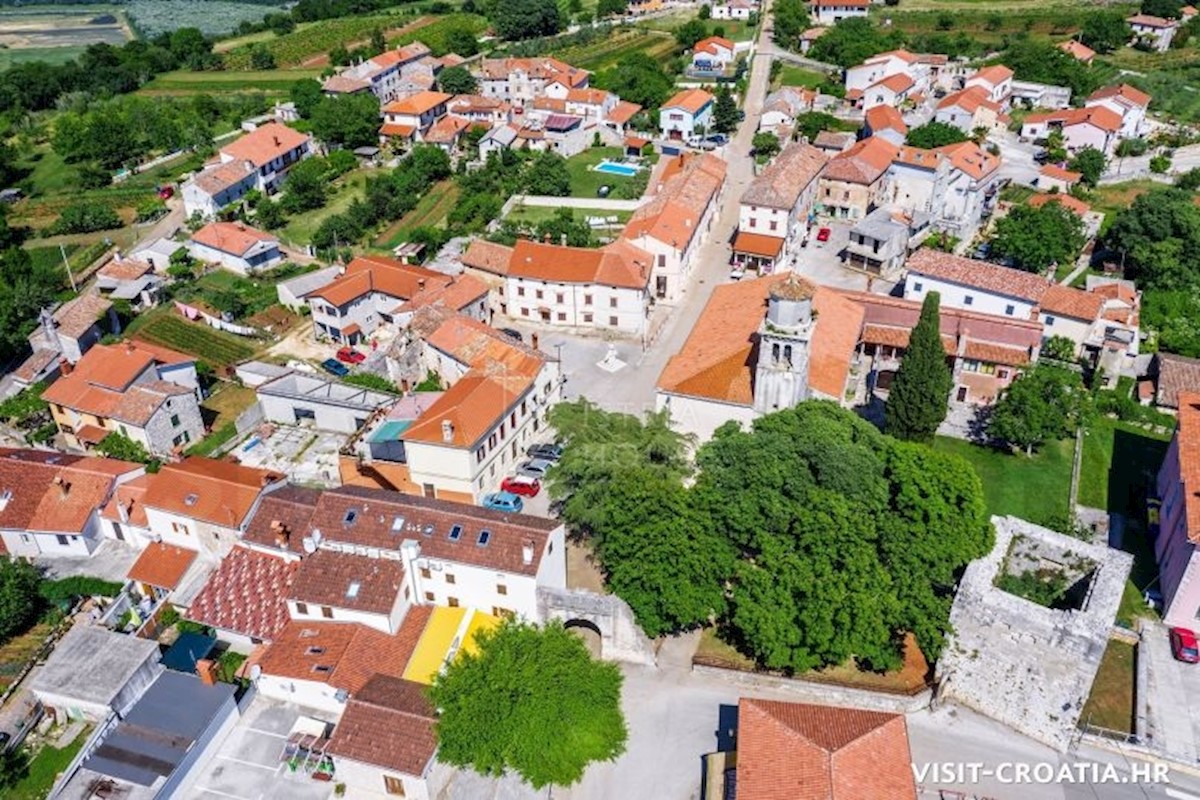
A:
(535, 468)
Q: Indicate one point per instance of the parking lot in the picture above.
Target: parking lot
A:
(1173, 696)
(247, 765)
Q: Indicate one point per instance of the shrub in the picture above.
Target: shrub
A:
(68, 589)
(85, 217)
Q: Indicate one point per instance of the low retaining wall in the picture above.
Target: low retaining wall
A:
(821, 693)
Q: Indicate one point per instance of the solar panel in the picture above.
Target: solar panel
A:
(484, 538)
(456, 533)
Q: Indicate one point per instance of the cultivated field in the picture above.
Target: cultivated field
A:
(182, 82)
(213, 17)
(57, 33)
(605, 53)
(195, 338)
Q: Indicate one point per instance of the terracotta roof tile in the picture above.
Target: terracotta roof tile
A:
(757, 244)
(970, 158)
(969, 100)
(1059, 174)
(619, 264)
(217, 178)
(343, 580)
(125, 269)
(129, 494)
(1123, 92)
(689, 100)
(487, 256)
(231, 237)
(980, 274)
(622, 112)
(265, 143)
(102, 383)
(864, 163)
(76, 317)
(247, 594)
(459, 294)
(1188, 436)
(417, 104)
(1065, 200)
(53, 492)
(344, 655)
(884, 117)
(688, 185)
(1176, 375)
(796, 751)
(1078, 50)
(995, 74)
(1068, 301)
(161, 565)
(367, 275)
(784, 180)
(218, 492)
(389, 725)
(1151, 21)
(394, 129)
(282, 515)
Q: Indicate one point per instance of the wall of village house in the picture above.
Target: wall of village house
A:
(699, 416)
(163, 435)
(32, 543)
(913, 189)
(314, 694)
(764, 220)
(366, 781)
(316, 612)
(573, 305)
(361, 311)
(916, 286)
(327, 416)
(194, 534)
(235, 263)
(1075, 330)
(133, 535)
(474, 587)
(847, 200)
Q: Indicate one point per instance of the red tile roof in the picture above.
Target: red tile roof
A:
(161, 565)
(688, 184)
(218, 492)
(235, 238)
(389, 724)
(1188, 436)
(102, 383)
(797, 751)
(622, 112)
(417, 104)
(343, 580)
(716, 361)
(1078, 50)
(53, 492)
(376, 512)
(689, 100)
(1065, 200)
(76, 317)
(995, 74)
(1059, 174)
(784, 180)
(344, 655)
(864, 163)
(247, 594)
(1123, 92)
(282, 514)
(1176, 375)
(969, 99)
(129, 494)
(367, 275)
(884, 117)
(265, 144)
(757, 244)
(1151, 21)
(487, 256)
(1100, 117)
(619, 264)
(459, 294)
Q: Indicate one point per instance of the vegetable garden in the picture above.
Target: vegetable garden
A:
(197, 339)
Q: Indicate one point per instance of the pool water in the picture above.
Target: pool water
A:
(617, 169)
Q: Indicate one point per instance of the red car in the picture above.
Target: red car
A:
(166, 192)
(520, 484)
(823, 235)
(1184, 646)
(349, 355)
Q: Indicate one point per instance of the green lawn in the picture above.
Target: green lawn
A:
(11, 57)
(184, 82)
(301, 227)
(1120, 461)
(534, 215)
(1035, 489)
(792, 75)
(586, 182)
(430, 211)
(219, 287)
(44, 769)
(1110, 704)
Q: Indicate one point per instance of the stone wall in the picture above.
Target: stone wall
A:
(820, 693)
(621, 638)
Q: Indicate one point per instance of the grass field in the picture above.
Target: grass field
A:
(1008, 479)
(182, 82)
(44, 770)
(431, 211)
(217, 348)
(596, 56)
(532, 215)
(792, 75)
(585, 181)
(220, 410)
(1111, 702)
(1120, 462)
(16, 652)
(301, 227)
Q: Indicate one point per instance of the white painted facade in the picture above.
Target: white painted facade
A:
(263, 255)
(1133, 116)
(577, 305)
(700, 416)
(970, 298)
(32, 543)
(679, 123)
(829, 12)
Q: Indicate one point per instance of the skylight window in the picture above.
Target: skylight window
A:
(351, 515)
(397, 523)
(456, 533)
(427, 530)
(314, 651)
(484, 538)
(352, 590)
(191, 499)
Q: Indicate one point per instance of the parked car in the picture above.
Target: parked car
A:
(823, 235)
(535, 468)
(335, 367)
(503, 501)
(546, 452)
(513, 334)
(603, 191)
(522, 485)
(166, 192)
(718, 139)
(1184, 646)
(349, 355)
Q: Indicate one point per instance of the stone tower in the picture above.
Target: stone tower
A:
(781, 372)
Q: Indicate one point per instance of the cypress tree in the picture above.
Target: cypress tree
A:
(917, 402)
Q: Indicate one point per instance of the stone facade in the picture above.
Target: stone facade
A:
(162, 436)
(620, 637)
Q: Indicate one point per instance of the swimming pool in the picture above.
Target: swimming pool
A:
(612, 168)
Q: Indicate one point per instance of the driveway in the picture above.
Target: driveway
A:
(247, 765)
(1172, 696)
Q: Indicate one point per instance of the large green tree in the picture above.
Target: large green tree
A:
(638, 78)
(725, 111)
(1169, 9)
(18, 597)
(457, 80)
(1157, 240)
(348, 121)
(524, 19)
(547, 175)
(1036, 238)
(1105, 31)
(935, 134)
(852, 40)
(1090, 162)
(917, 401)
(532, 701)
(1045, 403)
(791, 20)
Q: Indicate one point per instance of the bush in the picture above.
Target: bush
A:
(69, 589)
(1160, 164)
(84, 217)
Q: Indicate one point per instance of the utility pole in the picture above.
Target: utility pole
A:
(63, 251)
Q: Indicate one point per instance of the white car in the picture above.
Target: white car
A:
(535, 468)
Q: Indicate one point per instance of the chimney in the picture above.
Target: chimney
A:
(276, 138)
(527, 552)
(420, 284)
(282, 534)
(64, 485)
(64, 367)
(123, 510)
(534, 340)
(447, 431)
(206, 668)
(129, 348)
(563, 240)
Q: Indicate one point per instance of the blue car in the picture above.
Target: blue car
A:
(335, 367)
(503, 501)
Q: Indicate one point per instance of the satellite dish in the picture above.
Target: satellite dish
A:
(316, 535)
(255, 672)
(309, 545)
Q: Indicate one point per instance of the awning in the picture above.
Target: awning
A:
(92, 434)
(351, 329)
(757, 244)
(402, 131)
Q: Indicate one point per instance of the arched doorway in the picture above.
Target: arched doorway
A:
(589, 632)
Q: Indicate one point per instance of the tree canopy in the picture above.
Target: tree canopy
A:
(491, 721)
(638, 78)
(1157, 238)
(118, 445)
(1105, 31)
(524, 19)
(1047, 402)
(917, 400)
(19, 600)
(812, 537)
(791, 20)
(1089, 162)
(853, 40)
(1042, 61)
(456, 80)
(349, 121)
(1168, 9)
(547, 175)
(1035, 238)
(934, 134)
(725, 111)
